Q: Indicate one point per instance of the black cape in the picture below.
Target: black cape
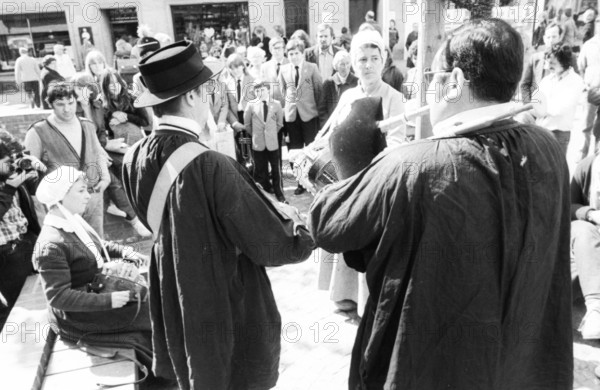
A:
(214, 317)
(466, 253)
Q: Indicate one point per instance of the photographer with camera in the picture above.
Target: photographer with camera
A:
(19, 227)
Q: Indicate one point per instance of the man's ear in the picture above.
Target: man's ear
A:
(189, 98)
(458, 78)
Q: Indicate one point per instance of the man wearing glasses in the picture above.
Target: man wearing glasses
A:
(465, 236)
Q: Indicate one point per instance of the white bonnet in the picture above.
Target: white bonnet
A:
(55, 185)
(367, 37)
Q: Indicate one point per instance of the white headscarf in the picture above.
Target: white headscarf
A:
(52, 190)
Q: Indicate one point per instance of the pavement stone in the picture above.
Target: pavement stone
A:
(316, 343)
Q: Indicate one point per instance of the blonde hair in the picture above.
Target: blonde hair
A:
(96, 57)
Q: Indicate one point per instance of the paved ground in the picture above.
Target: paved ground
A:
(316, 343)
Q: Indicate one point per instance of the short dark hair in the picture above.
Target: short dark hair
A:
(562, 53)
(295, 44)
(490, 53)
(171, 106)
(8, 144)
(60, 90)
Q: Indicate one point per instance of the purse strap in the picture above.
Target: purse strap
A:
(176, 162)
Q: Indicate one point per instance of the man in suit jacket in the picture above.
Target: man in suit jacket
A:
(322, 53)
(263, 119)
(270, 70)
(336, 85)
(302, 85)
(534, 70)
(240, 91)
(270, 74)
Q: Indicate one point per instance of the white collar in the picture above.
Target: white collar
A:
(341, 79)
(476, 114)
(58, 222)
(177, 122)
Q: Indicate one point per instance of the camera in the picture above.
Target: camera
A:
(22, 162)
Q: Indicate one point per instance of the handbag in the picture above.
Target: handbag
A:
(138, 290)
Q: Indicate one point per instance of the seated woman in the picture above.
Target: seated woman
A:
(69, 254)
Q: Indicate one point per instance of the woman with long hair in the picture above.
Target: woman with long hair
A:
(121, 118)
(122, 122)
(95, 63)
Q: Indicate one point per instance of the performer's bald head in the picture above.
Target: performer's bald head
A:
(490, 54)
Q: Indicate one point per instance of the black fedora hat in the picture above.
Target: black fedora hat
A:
(172, 71)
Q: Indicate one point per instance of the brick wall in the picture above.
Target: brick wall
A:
(18, 123)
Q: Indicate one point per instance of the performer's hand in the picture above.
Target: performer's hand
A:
(221, 127)
(102, 185)
(114, 122)
(119, 299)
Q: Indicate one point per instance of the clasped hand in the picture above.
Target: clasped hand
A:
(124, 270)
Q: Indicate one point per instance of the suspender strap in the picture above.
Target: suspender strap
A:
(180, 159)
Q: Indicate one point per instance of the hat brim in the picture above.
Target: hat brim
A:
(148, 99)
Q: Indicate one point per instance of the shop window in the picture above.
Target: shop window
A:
(37, 31)
(190, 22)
(124, 24)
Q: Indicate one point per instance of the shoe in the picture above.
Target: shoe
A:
(140, 228)
(114, 210)
(590, 325)
(282, 199)
(300, 190)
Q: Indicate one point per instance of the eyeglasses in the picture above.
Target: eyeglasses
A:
(429, 74)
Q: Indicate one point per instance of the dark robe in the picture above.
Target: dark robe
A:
(214, 317)
(466, 253)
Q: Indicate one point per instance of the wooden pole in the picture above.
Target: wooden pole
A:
(431, 36)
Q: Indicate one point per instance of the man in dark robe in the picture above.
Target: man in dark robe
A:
(465, 238)
(214, 318)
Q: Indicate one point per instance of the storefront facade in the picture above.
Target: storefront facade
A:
(82, 26)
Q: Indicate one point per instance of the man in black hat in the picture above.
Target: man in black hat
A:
(214, 319)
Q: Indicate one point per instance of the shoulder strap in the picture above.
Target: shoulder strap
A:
(180, 158)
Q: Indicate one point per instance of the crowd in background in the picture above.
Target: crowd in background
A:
(279, 91)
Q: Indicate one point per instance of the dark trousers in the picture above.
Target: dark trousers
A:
(262, 160)
(15, 266)
(302, 133)
(34, 88)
